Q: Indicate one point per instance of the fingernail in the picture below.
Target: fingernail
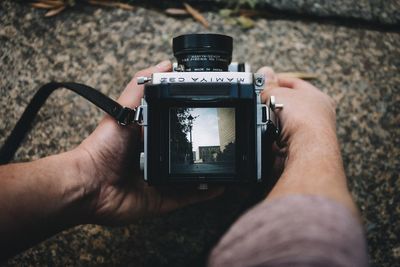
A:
(164, 64)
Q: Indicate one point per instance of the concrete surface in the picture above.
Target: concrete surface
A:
(379, 11)
(105, 47)
(385, 12)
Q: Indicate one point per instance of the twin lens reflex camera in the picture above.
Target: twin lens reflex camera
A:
(204, 122)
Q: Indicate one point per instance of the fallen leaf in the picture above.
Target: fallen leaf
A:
(245, 22)
(54, 12)
(125, 6)
(230, 21)
(225, 12)
(176, 11)
(196, 15)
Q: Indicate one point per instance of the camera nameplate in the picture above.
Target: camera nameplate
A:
(202, 77)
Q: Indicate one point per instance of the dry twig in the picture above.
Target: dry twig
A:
(54, 11)
(196, 15)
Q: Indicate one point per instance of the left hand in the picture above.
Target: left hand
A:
(110, 168)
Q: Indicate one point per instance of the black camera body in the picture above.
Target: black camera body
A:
(204, 122)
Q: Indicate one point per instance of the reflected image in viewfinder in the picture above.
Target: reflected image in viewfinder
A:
(202, 140)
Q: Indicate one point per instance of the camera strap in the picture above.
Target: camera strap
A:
(123, 115)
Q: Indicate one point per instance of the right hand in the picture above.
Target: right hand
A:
(308, 161)
(306, 110)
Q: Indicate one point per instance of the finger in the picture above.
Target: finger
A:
(271, 79)
(293, 83)
(133, 92)
(271, 82)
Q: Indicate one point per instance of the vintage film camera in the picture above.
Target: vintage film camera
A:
(204, 122)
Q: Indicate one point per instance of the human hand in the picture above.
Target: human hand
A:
(110, 167)
(306, 111)
(307, 120)
(309, 159)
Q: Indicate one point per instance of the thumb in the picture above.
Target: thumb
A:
(133, 92)
(271, 81)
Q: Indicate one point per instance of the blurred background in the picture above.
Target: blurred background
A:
(351, 46)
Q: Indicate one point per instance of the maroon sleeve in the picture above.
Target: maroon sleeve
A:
(293, 231)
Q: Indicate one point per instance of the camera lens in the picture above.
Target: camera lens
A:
(203, 52)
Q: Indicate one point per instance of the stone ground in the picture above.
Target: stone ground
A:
(105, 47)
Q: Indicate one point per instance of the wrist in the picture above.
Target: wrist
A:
(40, 198)
(313, 140)
(79, 187)
(314, 167)
(315, 149)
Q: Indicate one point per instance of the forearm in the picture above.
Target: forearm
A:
(314, 167)
(39, 199)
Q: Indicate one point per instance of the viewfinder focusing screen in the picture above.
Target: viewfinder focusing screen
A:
(202, 141)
